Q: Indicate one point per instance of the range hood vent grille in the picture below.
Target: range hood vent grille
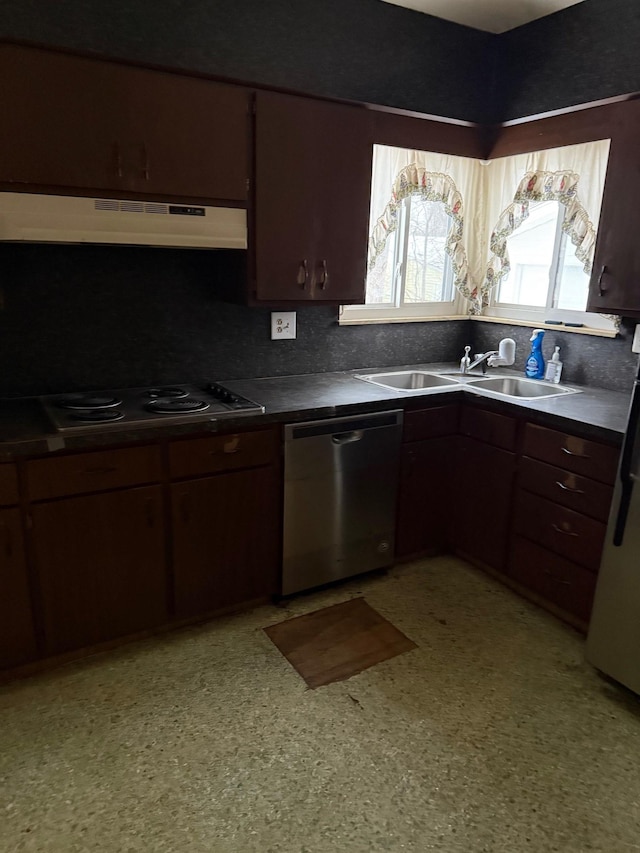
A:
(113, 204)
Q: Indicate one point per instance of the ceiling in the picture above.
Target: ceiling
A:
(493, 16)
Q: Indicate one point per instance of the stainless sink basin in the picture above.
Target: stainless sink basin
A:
(407, 380)
(524, 389)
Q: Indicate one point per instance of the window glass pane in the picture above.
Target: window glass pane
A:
(380, 278)
(428, 275)
(573, 282)
(530, 250)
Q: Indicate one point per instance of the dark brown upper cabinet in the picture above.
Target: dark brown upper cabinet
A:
(73, 124)
(616, 267)
(311, 200)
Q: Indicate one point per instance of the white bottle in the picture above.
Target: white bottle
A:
(554, 367)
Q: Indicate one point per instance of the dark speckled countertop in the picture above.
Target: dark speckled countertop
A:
(594, 412)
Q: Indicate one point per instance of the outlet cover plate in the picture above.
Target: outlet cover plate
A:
(635, 346)
(283, 325)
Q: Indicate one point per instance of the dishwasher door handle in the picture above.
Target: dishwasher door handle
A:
(347, 437)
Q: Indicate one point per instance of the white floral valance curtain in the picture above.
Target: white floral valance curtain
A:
(400, 172)
(487, 201)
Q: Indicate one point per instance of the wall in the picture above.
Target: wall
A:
(362, 50)
(83, 317)
(584, 53)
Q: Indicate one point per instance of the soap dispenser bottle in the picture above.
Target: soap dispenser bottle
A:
(534, 368)
(554, 367)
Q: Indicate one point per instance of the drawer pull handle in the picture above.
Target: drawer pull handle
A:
(103, 470)
(578, 455)
(569, 489)
(564, 532)
(554, 578)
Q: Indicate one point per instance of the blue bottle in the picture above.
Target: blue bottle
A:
(534, 368)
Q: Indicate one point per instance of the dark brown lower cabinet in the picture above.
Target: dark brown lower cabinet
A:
(226, 536)
(481, 507)
(101, 565)
(425, 504)
(17, 638)
(560, 581)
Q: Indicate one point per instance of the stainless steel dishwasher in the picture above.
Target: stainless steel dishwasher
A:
(340, 485)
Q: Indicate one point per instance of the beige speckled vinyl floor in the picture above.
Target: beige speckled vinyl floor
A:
(493, 735)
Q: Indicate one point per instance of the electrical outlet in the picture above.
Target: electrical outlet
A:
(635, 346)
(283, 325)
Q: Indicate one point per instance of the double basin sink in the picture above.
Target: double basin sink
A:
(502, 386)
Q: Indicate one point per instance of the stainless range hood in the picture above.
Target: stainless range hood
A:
(29, 217)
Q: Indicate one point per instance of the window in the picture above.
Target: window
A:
(507, 239)
(413, 268)
(545, 272)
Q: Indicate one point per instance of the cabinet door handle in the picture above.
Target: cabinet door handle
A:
(303, 274)
(324, 275)
(102, 470)
(145, 162)
(578, 455)
(569, 489)
(557, 580)
(564, 532)
(601, 289)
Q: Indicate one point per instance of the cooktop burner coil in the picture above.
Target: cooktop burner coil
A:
(89, 401)
(97, 416)
(173, 406)
(166, 393)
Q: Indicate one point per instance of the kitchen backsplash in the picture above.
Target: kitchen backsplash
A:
(588, 360)
(82, 317)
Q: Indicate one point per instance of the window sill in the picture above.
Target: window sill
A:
(365, 321)
(576, 330)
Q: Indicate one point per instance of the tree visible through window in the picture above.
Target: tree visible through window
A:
(414, 267)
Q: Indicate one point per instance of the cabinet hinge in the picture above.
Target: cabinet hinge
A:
(248, 182)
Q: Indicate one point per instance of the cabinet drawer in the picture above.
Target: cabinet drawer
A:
(8, 485)
(558, 580)
(222, 453)
(590, 458)
(93, 472)
(561, 530)
(490, 427)
(564, 487)
(431, 423)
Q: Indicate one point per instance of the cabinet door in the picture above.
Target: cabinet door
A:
(61, 121)
(226, 534)
(483, 501)
(101, 566)
(312, 184)
(86, 124)
(425, 496)
(616, 267)
(17, 638)
(186, 137)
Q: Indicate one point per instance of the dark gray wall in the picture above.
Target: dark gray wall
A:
(82, 317)
(587, 360)
(362, 50)
(584, 53)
